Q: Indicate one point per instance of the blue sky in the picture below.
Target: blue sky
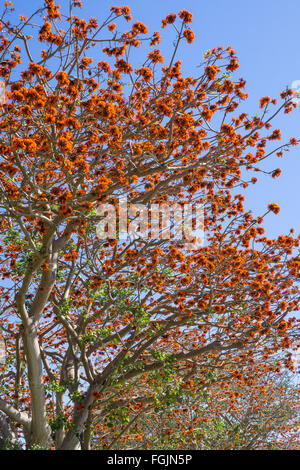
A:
(266, 36)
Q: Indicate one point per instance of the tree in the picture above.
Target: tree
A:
(95, 324)
(257, 412)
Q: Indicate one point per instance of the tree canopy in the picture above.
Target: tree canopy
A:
(105, 335)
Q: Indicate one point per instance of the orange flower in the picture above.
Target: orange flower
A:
(36, 68)
(139, 27)
(233, 65)
(123, 66)
(263, 101)
(276, 173)
(274, 208)
(155, 56)
(155, 39)
(189, 35)
(62, 78)
(186, 16)
(211, 71)
(146, 73)
(168, 20)
(276, 135)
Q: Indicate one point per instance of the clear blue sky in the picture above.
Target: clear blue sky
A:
(266, 36)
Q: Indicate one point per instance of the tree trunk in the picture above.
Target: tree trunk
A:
(40, 430)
